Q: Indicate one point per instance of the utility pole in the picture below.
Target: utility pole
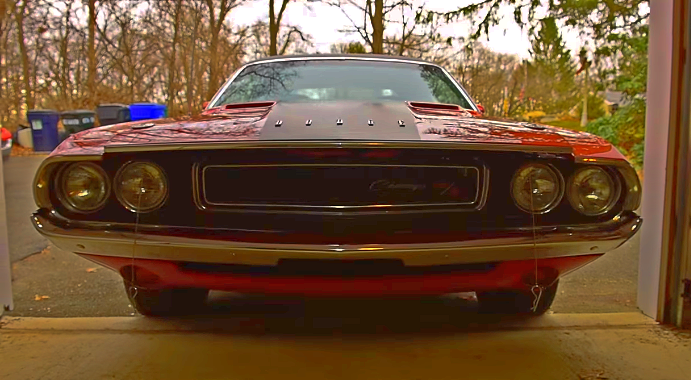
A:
(585, 65)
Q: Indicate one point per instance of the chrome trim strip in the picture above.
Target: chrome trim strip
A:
(565, 242)
(212, 102)
(478, 190)
(298, 144)
(601, 161)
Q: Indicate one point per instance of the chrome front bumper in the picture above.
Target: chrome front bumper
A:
(107, 240)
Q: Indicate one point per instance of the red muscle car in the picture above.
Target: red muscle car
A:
(324, 175)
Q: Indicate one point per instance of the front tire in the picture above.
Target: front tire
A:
(516, 302)
(166, 302)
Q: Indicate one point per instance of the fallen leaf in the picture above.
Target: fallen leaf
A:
(91, 270)
(595, 375)
(40, 298)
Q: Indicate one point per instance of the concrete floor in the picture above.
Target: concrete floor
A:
(271, 346)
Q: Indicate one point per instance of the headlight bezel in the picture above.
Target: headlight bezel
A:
(132, 207)
(616, 190)
(59, 184)
(559, 181)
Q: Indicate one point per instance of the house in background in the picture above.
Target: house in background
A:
(614, 100)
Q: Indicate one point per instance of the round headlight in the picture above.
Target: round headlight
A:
(592, 191)
(83, 187)
(141, 186)
(536, 188)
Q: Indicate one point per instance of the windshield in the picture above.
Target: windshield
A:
(338, 80)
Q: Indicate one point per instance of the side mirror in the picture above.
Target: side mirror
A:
(204, 105)
(481, 108)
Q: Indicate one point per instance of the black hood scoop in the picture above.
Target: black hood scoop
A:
(340, 121)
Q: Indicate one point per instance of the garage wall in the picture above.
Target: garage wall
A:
(5, 274)
(655, 161)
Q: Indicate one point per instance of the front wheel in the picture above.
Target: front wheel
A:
(516, 302)
(166, 302)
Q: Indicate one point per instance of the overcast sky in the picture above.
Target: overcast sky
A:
(324, 21)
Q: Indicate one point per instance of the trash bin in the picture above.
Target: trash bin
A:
(145, 111)
(112, 114)
(78, 120)
(24, 137)
(44, 129)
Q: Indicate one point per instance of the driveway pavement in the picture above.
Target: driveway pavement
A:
(19, 174)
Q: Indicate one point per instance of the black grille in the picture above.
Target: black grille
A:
(330, 186)
(335, 268)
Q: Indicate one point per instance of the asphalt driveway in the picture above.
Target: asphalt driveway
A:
(19, 174)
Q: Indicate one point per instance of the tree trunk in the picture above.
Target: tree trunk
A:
(378, 27)
(171, 65)
(213, 65)
(26, 69)
(216, 26)
(273, 30)
(275, 25)
(91, 56)
(190, 81)
(65, 60)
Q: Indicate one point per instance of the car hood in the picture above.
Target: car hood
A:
(341, 121)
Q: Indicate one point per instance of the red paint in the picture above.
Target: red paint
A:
(162, 274)
(5, 134)
(244, 122)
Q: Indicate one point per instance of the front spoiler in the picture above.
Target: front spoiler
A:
(519, 275)
(553, 242)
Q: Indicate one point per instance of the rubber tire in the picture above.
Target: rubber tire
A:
(516, 302)
(166, 302)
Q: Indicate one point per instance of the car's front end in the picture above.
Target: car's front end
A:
(353, 198)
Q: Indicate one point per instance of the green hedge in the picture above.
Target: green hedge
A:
(625, 129)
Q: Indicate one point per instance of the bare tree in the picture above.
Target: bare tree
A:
(291, 40)
(374, 16)
(216, 19)
(275, 25)
(20, 12)
(91, 55)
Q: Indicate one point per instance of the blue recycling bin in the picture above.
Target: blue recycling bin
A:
(145, 111)
(44, 129)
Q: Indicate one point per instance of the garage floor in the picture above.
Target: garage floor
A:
(272, 345)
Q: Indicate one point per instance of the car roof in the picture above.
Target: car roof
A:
(308, 57)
